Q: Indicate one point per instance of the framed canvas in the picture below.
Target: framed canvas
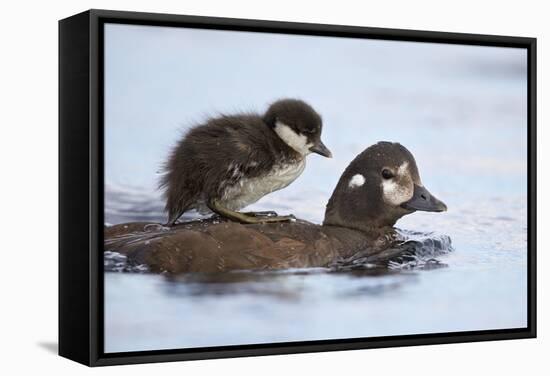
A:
(234, 187)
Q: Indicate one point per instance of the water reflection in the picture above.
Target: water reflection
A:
(286, 285)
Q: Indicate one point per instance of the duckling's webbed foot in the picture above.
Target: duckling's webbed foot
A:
(250, 218)
(268, 213)
(279, 218)
(270, 217)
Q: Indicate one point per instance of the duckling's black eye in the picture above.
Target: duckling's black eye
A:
(387, 174)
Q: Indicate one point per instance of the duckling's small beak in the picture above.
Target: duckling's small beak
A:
(423, 200)
(321, 149)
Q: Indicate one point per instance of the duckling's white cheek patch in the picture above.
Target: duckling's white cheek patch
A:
(356, 181)
(296, 141)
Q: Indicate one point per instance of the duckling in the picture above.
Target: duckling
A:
(232, 161)
(381, 185)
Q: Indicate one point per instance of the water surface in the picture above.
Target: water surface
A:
(483, 286)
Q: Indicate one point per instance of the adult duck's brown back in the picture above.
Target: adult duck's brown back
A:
(215, 245)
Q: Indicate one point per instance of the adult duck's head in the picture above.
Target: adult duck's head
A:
(380, 185)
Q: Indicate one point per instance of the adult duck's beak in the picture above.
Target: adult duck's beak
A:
(423, 200)
(321, 149)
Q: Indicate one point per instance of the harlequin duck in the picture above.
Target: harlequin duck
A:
(380, 185)
(232, 161)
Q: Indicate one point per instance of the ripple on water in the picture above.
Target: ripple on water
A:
(117, 262)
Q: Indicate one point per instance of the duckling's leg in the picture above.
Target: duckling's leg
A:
(216, 207)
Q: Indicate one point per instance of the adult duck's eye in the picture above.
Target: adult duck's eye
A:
(387, 174)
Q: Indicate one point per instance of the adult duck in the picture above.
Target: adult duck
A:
(381, 185)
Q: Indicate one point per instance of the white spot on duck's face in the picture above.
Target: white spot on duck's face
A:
(296, 141)
(357, 181)
(398, 189)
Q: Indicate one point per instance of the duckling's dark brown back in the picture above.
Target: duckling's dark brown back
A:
(200, 166)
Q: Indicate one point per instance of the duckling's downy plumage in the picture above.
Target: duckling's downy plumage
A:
(234, 160)
(378, 187)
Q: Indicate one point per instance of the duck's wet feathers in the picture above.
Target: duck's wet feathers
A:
(216, 245)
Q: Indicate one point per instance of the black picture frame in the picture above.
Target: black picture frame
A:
(81, 186)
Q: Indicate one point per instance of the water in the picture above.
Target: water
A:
(461, 110)
(483, 286)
